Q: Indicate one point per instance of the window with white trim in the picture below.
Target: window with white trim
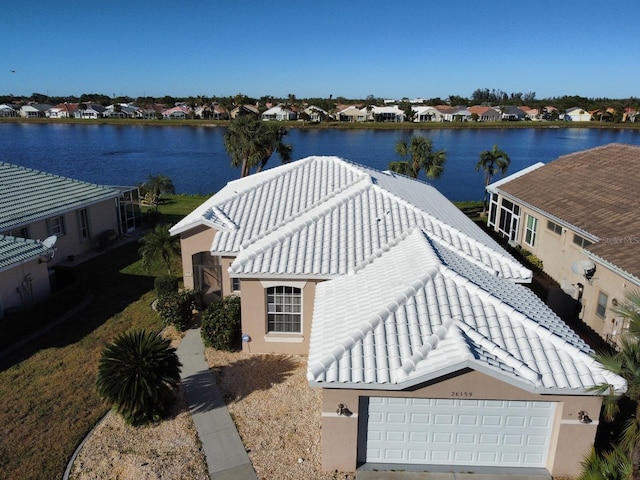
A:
(284, 309)
(56, 226)
(493, 209)
(235, 284)
(531, 231)
(603, 300)
(509, 219)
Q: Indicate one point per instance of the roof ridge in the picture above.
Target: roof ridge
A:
(361, 330)
(294, 223)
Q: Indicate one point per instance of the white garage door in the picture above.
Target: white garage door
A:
(458, 432)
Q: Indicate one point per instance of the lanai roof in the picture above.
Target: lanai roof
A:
(321, 217)
(420, 311)
(27, 195)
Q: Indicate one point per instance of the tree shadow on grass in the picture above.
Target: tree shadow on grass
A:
(112, 292)
(259, 372)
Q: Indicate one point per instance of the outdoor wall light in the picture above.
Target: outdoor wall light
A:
(246, 338)
(343, 410)
(583, 417)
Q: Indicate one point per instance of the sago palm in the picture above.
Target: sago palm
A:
(139, 374)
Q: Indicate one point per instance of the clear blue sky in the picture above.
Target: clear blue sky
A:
(349, 48)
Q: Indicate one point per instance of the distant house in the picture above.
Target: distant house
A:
(34, 110)
(388, 113)
(316, 114)
(428, 352)
(242, 110)
(149, 112)
(580, 215)
(454, 114)
(214, 111)
(89, 111)
(576, 114)
(63, 110)
(513, 113)
(7, 111)
(78, 214)
(425, 113)
(279, 113)
(179, 112)
(121, 110)
(485, 113)
(352, 113)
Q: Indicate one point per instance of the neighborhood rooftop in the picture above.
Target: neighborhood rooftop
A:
(48, 195)
(420, 311)
(599, 198)
(322, 217)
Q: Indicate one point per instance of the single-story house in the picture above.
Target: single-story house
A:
(75, 215)
(513, 113)
(426, 113)
(121, 110)
(454, 114)
(178, 112)
(7, 111)
(89, 110)
(388, 113)
(244, 110)
(352, 113)
(485, 114)
(62, 110)
(279, 113)
(576, 114)
(316, 114)
(428, 349)
(34, 110)
(579, 214)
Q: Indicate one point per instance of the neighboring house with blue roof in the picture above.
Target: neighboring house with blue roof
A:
(429, 351)
(35, 205)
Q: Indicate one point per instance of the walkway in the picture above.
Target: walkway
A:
(226, 456)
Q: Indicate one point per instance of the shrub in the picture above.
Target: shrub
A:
(139, 373)
(165, 285)
(529, 258)
(176, 308)
(221, 324)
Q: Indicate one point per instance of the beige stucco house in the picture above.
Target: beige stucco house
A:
(430, 352)
(47, 219)
(580, 214)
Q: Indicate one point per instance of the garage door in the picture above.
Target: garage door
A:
(458, 432)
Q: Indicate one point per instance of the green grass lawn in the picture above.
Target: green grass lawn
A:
(48, 401)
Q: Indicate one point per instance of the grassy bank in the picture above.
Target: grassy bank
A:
(48, 400)
(323, 125)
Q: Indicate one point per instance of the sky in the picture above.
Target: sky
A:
(339, 48)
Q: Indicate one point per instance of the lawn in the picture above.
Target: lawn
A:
(48, 400)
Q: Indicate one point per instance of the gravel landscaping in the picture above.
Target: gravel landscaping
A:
(275, 410)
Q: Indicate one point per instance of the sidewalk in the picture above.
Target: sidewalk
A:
(226, 456)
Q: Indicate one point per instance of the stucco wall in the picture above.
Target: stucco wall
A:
(254, 318)
(24, 285)
(570, 442)
(193, 241)
(558, 252)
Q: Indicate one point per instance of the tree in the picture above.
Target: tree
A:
(250, 142)
(626, 363)
(422, 157)
(158, 243)
(157, 185)
(139, 374)
(492, 162)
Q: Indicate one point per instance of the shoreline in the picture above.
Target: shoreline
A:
(331, 125)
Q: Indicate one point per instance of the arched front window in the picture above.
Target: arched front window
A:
(284, 309)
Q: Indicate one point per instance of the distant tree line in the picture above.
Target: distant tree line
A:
(480, 96)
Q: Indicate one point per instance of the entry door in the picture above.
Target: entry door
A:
(459, 432)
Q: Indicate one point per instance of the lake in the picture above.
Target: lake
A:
(195, 159)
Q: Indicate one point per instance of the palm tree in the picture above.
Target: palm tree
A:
(492, 162)
(250, 143)
(159, 243)
(158, 184)
(422, 157)
(626, 363)
(139, 374)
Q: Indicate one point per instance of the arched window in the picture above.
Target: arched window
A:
(284, 309)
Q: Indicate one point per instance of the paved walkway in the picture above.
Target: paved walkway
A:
(226, 456)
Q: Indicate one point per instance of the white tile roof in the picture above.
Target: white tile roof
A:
(321, 217)
(419, 310)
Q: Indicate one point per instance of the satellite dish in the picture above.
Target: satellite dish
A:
(50, 242)
(585, 268)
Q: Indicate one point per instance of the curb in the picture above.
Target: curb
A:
(76, 452)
